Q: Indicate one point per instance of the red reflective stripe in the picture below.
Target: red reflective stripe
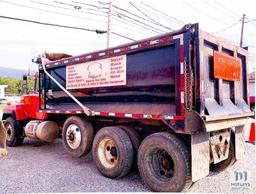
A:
(165, 39)
(109, 52)
(156, 117)
(138, 116)
(124, 49)
(182, 84)
(104, 113)
(182, 109)
(252, 99)
(120, 114)
(135, 116)
(82, 58)
(144, 44)
(177, 118)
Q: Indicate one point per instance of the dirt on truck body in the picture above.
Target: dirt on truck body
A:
(173, 105)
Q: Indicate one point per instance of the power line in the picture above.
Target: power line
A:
(136, 22)
(48, 11)
(225, 8)
(55, 25)
(171, 17)
(141, 12)
(160, 16)
(150, 17)
(120, 35)
(133, 23)
(65, 8)
(227, 28)
(78, 8)
(251, 21)
(135, 15)
(80, 11)
(63, 26)
(202, 12)
(96, 6)
(50, 5)
(223, 11)
(121, 15)
(130, 24)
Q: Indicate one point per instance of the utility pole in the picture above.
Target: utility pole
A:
(109, 23)
(242, 31)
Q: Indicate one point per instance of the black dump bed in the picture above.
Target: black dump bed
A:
(165, 76)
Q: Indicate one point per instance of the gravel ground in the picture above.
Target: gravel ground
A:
(42, 167)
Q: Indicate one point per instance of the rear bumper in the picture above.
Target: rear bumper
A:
(214, 123)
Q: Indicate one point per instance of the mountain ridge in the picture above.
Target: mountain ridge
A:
(14, 73)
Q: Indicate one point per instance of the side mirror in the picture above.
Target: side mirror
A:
(25, 77)
(25, 83)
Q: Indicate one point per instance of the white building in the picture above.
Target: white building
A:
(2, 94)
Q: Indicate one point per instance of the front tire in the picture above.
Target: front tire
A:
(164, 163)
(14, 132)
(77, 136)
(113, 152)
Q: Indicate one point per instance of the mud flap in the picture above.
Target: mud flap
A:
(239, 142)
(200, 155)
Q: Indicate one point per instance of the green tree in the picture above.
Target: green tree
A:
(13, 85)
(16, 86)
(26, 85)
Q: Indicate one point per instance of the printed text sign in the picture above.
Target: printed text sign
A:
(100, 73)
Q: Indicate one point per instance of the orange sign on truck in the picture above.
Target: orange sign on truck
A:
(226, 67)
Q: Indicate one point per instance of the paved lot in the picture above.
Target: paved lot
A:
(43, 167)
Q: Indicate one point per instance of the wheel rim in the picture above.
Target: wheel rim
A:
(107, 152)
(162, 165)
(9, 131)
(73, 136)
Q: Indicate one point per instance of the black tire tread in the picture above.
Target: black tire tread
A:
(186, 154)
(16, 141)
(134, 137)
(84, 124)
(182, 148)
(128, 151)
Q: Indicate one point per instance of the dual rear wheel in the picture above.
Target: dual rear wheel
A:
(163, 160)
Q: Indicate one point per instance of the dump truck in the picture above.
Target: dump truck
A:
(173, 105)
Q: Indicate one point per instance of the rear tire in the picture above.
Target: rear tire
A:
(135, 139)
(164, 163)
(77, 136)
(113, 152)
(15, 133)
(225, 164)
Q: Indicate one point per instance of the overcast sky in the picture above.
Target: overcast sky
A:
(19, 40)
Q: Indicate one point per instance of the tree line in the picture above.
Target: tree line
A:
(17, 86)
